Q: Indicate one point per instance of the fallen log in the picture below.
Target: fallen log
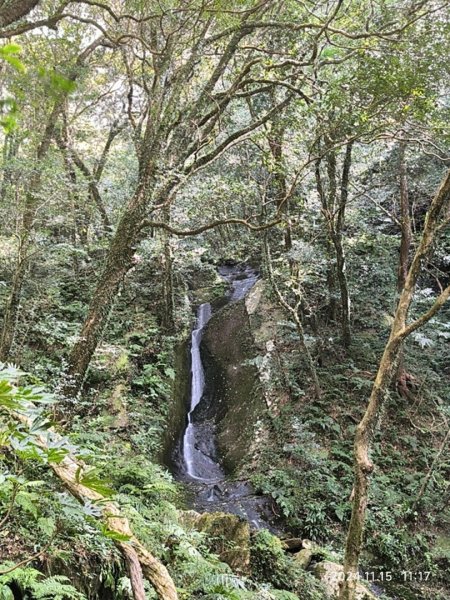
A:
(140, 562)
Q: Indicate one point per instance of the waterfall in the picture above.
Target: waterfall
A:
(199, 455)
(197, 389)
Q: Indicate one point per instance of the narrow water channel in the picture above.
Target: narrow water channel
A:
(197, 460)
(198, 451)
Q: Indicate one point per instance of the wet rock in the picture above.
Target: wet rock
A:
(331, 574)
(253, 298)
(228, 536)
(232, 382)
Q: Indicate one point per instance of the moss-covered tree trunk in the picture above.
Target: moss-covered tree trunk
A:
(275, 139)
(119, 261)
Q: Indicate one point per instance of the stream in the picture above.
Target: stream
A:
(196, 460)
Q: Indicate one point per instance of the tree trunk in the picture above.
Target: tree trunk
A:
(275, 139)
(343, 288)
(168, 291)
(333, 210)
(307, 354)
(364, 467)
(119, 262)
(12, 306)
(403, 262)
(10, 151)
(340, 254)
(293, 312)
(437, 216)
(11, 11)
(405, 220)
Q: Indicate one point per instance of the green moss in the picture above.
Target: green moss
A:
(270, 563)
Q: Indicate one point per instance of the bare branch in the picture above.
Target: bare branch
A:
(207, 226)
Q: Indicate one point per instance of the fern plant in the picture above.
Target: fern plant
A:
(34, 584)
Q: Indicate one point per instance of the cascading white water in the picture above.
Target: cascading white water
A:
(197, 389)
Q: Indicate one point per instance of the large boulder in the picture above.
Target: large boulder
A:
(228, 536)
(235, 399)
(331, 574)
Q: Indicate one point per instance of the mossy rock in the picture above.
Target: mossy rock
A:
(210, 293)
(303, 558)
(228, 351)
(228, 536)
(270, 564)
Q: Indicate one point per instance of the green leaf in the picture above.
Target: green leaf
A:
(92, 481)
(7, 397)
(114, 535)
(8, 53)
(61, 83)
(47, 525)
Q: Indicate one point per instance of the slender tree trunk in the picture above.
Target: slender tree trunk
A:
(333, 210)
(332, 307)
(168, 289)
(293, 312)
(307, 354)
(405, 220)
(343, 288)
(403, 263)
(275, 139)
(13, 303)
(10, 151)
(363, 468)
(437, 216)
(338, 244)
